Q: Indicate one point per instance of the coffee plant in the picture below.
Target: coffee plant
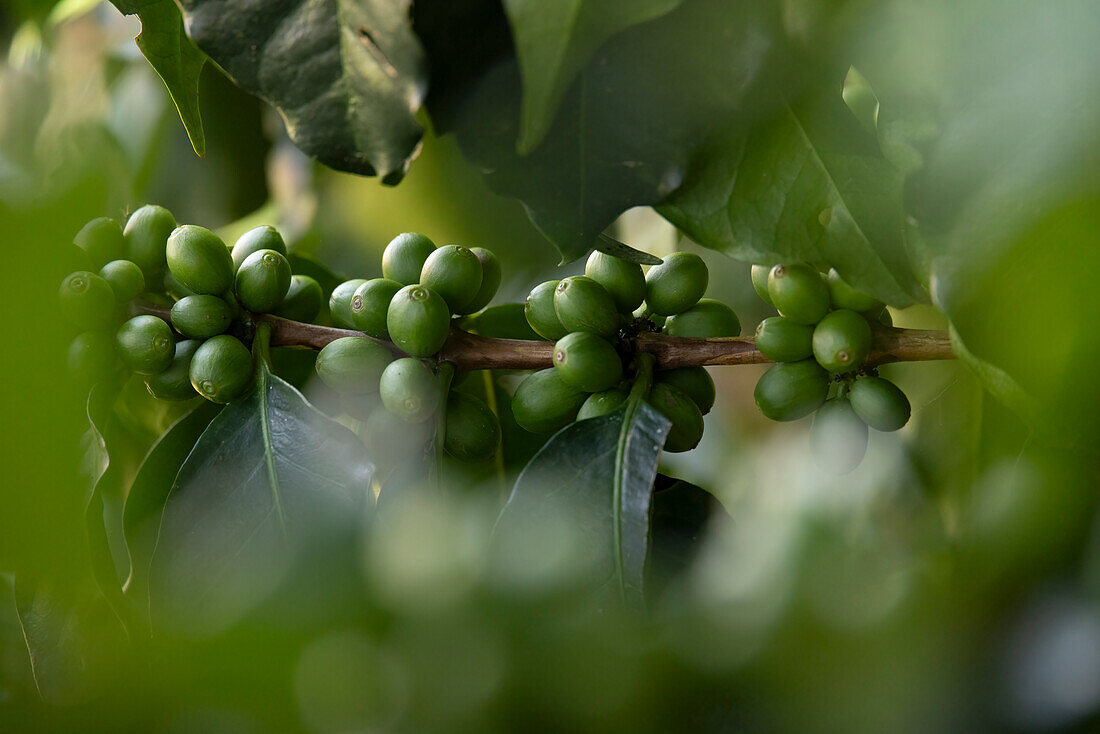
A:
(798, 433)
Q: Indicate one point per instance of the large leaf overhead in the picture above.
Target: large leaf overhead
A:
(553, 42)
(268, 476)
(347, 76)
(596, 476)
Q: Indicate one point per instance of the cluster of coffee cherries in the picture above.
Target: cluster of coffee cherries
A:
(820, 341)
(422, 289)
(590, 316)
(209, 286)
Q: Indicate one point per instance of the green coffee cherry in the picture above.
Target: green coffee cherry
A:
(545, 403)
(587, 361)
(264, 237)
(843, 295)
(201, 317)
(504, 321)
(695, 382)
(352, 365)
(125, 279)
(147, 232)
(174, 288)
(199, 260)
(540, 313)
(687, 420)
(418, 321)
(145, 344)
(622, 279)
(759, 276)
(339, 303)
(454, 273)
(706, 319)
(792, 390)
(87, 300)
(838, 438)
(879, 403)
(175, 382)
(409, 389)
(781, 340)
(221, 369)
(404, 257)
(676, 284)
(490, 279)
(262, 281)
(472, 432)
(91, 356)
(392, 441)
(102, 239)
(302, 301)
(842, 341)
(799, 293)
(582, 304)
(602, 403)
(369, 305)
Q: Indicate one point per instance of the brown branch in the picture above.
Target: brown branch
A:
(473, 352)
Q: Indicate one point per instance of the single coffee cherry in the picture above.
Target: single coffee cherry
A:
(409, 389)
(799, 293)
(706, 319)
(879, 403)
(602, 403)
(391, 441)
(221, 369)
(842, 341)
(418, 321)
(264, 237)
(339, 303)
(302, 301)
(369, 305)
(540, 314)
(504, 321)
(125, 279)
(545, 403)
(352, 365)
(175, 382)
(843, 295)
(587, 361)
(687, 420)
(87, 300)
(490, 279)
(454, 273)
(201, 317)
(262, 281)
(695, 382)
(838, 438)
(91, 357)
(147, 232)
(782, 340)
(759, 275)
(199, 260)
(404, 257)
(102, 239)
(582, 304)
(624, 280)
(676, 284)
(792, 390)
(145, 344)
(472, 432)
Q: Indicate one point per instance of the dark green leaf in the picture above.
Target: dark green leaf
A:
(348, 77)
(267, 476)
(611, 246)
(679, 515)
(810, 185)
(553, 42)
(595, 476)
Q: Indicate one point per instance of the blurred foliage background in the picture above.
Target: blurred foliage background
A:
(952, 583)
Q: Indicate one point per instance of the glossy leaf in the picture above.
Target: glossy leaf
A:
(269, 475)
(553, 42)
(678, 518)
(611, 246)
(348, 77)
(595, 476)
